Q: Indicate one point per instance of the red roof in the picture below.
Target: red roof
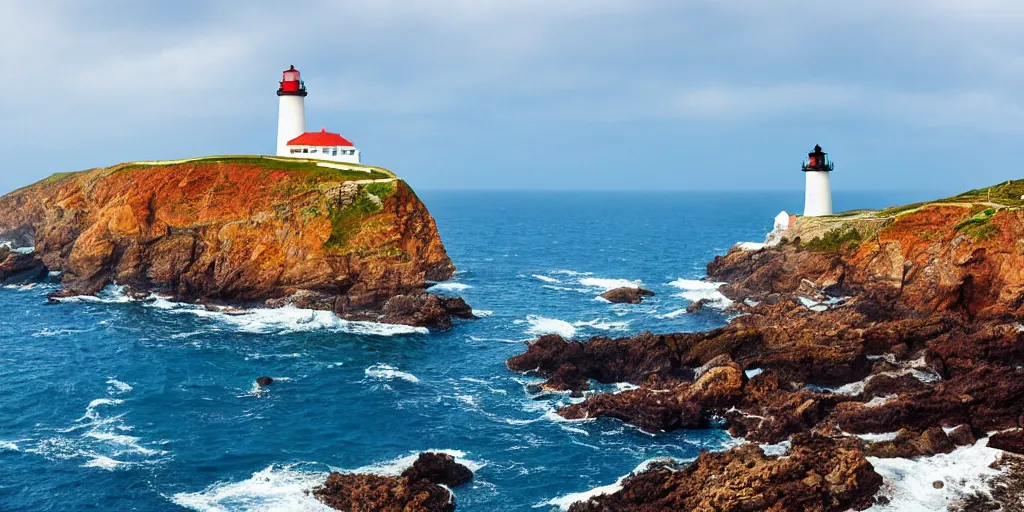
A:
(320, 138)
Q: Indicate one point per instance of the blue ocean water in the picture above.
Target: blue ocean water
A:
(111, 404)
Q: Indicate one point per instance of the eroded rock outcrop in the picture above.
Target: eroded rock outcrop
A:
(238, 230)
(818, 473)
(418, 489)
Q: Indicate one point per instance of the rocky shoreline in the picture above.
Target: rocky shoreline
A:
(235, 231)
(873, 335)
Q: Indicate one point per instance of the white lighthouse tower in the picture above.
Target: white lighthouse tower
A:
(818, 194)
(291, 114)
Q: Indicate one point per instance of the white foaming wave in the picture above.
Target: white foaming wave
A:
(751, 246)
(604, 325)
(449, 287)
(396, 466)
(274, 488)
(9, 446)
(540, 326)
(908, 482)
(564, 502)
(383, 371)
(47, 332)
(674, 314)
(101, 444)
(482, 313)
(117, 386)
(287, 319)
(546, 279)
(112, 294)
(694, 290)
(571, 273)
(609, 284)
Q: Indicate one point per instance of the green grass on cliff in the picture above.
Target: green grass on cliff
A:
(1008, 193)
(835, 240)
(978, 226)
(348, 220)
(319, 172)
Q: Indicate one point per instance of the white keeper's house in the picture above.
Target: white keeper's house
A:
(292, 137)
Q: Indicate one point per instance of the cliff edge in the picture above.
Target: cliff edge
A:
(237, 230)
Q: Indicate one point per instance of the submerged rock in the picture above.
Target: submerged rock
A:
(236, 230)
(418, 489)
(264, 381)
(626, 295)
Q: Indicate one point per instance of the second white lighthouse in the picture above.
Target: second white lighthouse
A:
(818, 194)
(291, 113)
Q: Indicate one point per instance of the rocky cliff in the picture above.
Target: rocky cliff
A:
(241, 230)
(901, 327)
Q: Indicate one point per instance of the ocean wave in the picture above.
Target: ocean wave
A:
(116, 386)
(286, 320)
(609, 284)
(564, 502)
(449, 287)
(112, 294)
(274, 488)
(383, 371)
(571, 273)
(100, 439)
(482, 313)
(908, 482)
(604, 325)
(695, 290)
(10, 446)
(546, 279)
(539, 326)
(395, 467)
(673, 314)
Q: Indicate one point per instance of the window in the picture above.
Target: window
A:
(313, 150)
(305, 150)
(295, 150)
(334, 152)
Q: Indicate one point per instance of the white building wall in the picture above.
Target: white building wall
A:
(320, 154)
(291, 121)
(818, 194)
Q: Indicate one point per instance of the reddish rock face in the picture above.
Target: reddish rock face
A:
(239, 231)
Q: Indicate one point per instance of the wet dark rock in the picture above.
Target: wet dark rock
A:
(19, 268)
(264, 381)
(909, 444)
(425, 309)
(697, 306)
(819, 473)
(1011, 441)
(438, 468)
(962, 436)
(938, 484)
(626, 295)
(418, 489)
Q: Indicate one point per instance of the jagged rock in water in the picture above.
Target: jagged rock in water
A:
(626, 295)
(1011, 441)
(418, 489)
(264, 381)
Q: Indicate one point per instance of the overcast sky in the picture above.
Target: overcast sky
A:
(530, 94)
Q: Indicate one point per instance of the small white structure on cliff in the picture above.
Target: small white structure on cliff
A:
(292, 137)
(818, 192)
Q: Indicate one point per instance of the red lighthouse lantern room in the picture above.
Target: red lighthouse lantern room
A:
(291, 84)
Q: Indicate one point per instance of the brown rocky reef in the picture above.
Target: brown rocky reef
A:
(905, 320)
(243, 230)
(626, 295)
(417, 489)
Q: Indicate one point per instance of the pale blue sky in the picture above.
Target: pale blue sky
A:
(531, 94)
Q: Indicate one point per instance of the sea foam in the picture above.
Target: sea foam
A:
(695, 290)
(539, 326)
(274, 488)
(383, 371)
(564, 502)
(609, 284)
(908, 482)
